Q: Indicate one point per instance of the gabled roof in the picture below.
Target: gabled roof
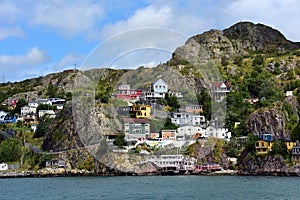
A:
(218, 84)
(136, 120)
(160, 81)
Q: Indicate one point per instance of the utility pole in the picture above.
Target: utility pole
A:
(75, 64)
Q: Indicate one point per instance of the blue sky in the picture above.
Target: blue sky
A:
(40, 37)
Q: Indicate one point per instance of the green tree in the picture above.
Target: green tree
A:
(43, 158)
(258, 60)
(204, 99)
(279, 147)
(173, 102)
(238, 60)
(51, 90)
(169, 125)
(231, 148)
(103, 97)
(42, 127)
(224, 61)
(11, 150)
(250, 144)
(295, 134)
(120, 141)
(45, 107)
(162, 101)
(21, 102)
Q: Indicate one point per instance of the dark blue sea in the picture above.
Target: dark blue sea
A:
(151, 187)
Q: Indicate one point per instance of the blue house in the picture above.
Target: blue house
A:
(10, 119)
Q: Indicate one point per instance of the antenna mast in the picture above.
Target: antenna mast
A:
(75, 64)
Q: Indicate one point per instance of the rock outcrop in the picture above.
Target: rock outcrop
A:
(267, 165)
(248, 35)
(268, 121)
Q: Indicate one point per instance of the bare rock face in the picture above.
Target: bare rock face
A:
(268, 121)
(294, 104)
(258, 36)
(123, 163)
(235, 40)
(205, 47)
(267, 165)
(273, 120)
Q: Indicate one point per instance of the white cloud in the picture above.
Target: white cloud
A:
(188, 19)
(11, 32)
(145, 17)
(33, 57)
(68, 17)
(8, 11)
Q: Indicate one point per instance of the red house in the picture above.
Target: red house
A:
(124, 92)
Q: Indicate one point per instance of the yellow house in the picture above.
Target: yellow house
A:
(263, 147)
(289, 145)
(141, 111)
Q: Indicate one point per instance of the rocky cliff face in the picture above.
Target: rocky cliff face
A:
(247, 35)
(268, 121)
(274, 120)
(236, 40)
(62, 134)
(206, 47)
(268, 165)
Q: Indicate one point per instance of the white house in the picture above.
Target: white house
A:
(151, 95)
(33, 104)
(181, 118)
(185, 118)
(25, 110)
(59, 106)
(2, 116)
(198, 120)
(190, 132)
(220, 89)
(57, 100)
(44, 101)
(191, 108)
(289, 93)
(217, 132)
(33, 127)
(51, 113)
(3, 166)
(160, 86)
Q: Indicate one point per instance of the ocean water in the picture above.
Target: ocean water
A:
(151, 187)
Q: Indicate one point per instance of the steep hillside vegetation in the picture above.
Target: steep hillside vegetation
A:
(258, 61)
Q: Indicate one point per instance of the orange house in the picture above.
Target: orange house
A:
(168, 134)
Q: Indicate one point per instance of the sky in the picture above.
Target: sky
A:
(46, 36)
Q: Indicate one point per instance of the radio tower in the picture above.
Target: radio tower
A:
(75, 64)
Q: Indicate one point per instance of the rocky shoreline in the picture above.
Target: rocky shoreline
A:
(76, 173)
(61, 172)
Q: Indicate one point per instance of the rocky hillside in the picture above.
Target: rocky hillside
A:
(258, 61)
